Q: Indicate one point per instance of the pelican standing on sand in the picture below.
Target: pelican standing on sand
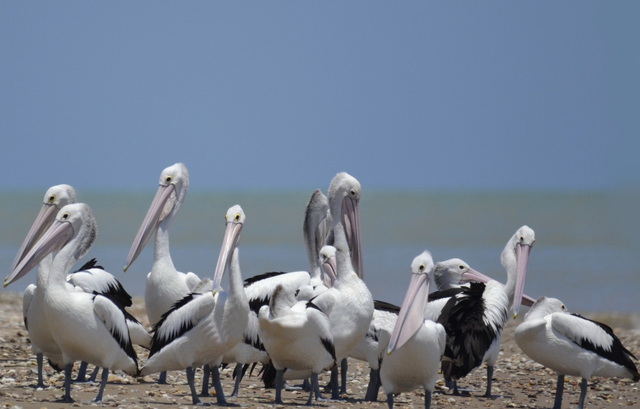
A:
(200, 328)
(86, 327)
(475, 315)
(411, 354)
(572, 345)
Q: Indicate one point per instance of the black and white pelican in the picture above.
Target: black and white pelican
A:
(201, 327)
(89, 278)
(348, 304)
(410, 355)
(474, 315)
(572, 345)
(86, 327)
(297, 336)
(165, 285)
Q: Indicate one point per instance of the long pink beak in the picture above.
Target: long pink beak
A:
(411, 316)
(351, 222)
(522, 259)
(40, 225)
(229, 243)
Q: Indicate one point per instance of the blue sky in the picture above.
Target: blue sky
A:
(282, 95)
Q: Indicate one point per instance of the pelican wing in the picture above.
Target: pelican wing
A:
(113, 318)
(192, 281)
(595, 337)
(26, 301)
(180, 319)
(95, 279)
(385, 306)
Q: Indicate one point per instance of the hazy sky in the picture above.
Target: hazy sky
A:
(410, 95)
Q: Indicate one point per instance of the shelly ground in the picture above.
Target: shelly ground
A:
(518, 381)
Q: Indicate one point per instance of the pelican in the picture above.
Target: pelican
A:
(200, 328)
(297, 335)
(86, 327)
(88, 278)
(572, 345)
(348, 304)
(416, 345)
(475, 315)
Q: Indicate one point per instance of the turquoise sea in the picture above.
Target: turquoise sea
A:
(586, 251)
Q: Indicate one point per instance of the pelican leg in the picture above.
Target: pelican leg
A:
(390, 400)
(557, 403)
(105, 376)
(215, 374)
(82, 373)
(94, 375)
(192, 386)
(205, 380)
(427, 399)
(455, 392)
(335, 394)
(67, 383)
(374, 386)
(487, 394)
(238, 374)
(279, 382)
(344, 368)
(583, 393)
(314, 382)
(162, 379)
(40, 380)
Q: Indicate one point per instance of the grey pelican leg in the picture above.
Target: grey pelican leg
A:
(205, 380)
(192, 386)
(163, 378)
(67, 383)
(94, 375)
(487, 394)
(557, 403)
(583, 393)
(344, 368)
(40, 380)
(374, 386)
(279, 382)
(314, 382)
(82, 373)
(238, 373)
(215, 375)
(427, 399)
(335, 393)
(390, 400)
(105, 376)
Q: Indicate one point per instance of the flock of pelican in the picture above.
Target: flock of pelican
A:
(297, 324)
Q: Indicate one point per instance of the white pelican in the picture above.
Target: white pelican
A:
(349, 300)
(88, 278)
(297, 336)
(416, 345)
(572, 345)
(476, 314)
(200, 328)
(86, 327)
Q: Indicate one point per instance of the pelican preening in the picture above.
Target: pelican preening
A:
(572, 345)
(201, 327)
(86, 327)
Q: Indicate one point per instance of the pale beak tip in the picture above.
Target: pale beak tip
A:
(125, 268)
(515, 315)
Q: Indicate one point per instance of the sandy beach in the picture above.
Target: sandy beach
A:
(518, 381)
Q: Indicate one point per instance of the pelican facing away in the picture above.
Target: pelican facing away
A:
(572, 345)
(411, 354)
(201, 327)
(86, 327)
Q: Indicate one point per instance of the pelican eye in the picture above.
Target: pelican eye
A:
(352, 192)
(461, 267)
(422, 267)
(168, 179)
(52, 199)
(522, 238)
(563, 307)
(237, 217)
(65, 216)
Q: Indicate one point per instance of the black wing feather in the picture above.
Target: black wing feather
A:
(158, 343)
(385, 306)
(259, 277)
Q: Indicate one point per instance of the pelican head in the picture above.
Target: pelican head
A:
(518, 249)
(545, 306)
(234, 221)
(74, 220)
(55, 199)
(344, 203)
(329, 265)
(411, 315)
(172, 189)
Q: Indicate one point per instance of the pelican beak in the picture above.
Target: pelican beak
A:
(411, 316)
(474, 275)
(51, 241)
(522, 259)
(44, 219)
(330, 269)
(162, 204)
(229, 243)
(351, 222)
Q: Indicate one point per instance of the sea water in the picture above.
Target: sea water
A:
(585, 253)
